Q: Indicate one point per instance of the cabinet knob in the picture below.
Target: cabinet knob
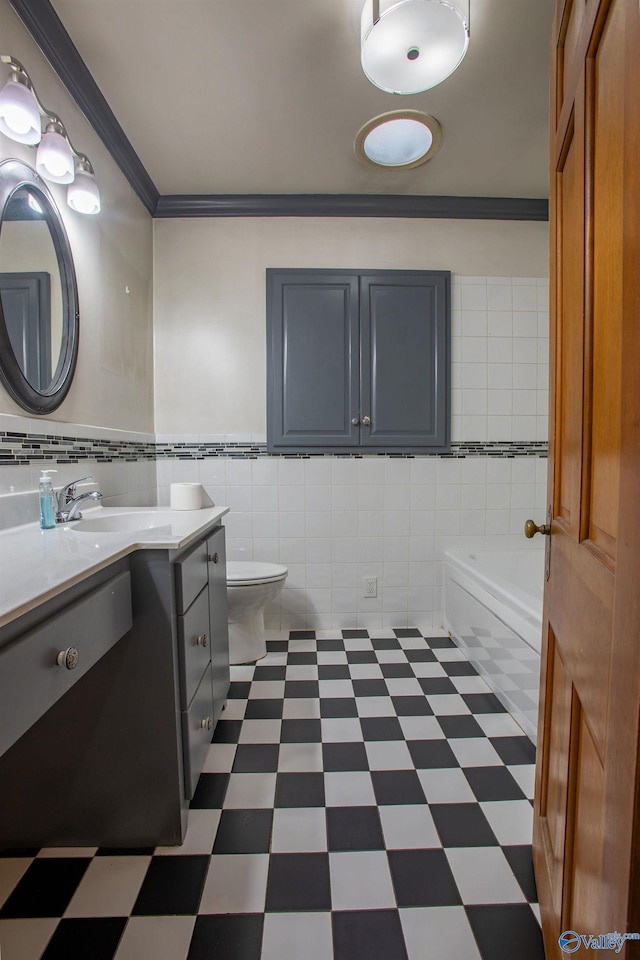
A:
(213, 557)
(366, 421)
(207, 723)
(68, 658)
(355, 421)
(202, 640)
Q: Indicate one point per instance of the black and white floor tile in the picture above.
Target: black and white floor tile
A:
(366, 797)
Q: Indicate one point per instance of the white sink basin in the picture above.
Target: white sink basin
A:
(125, 522)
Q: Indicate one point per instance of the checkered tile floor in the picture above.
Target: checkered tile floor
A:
(365, 798)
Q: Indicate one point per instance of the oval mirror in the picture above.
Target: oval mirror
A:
(38, 292)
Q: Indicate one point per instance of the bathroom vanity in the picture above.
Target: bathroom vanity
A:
(114, 669)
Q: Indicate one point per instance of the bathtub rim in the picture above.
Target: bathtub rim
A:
(499, 595)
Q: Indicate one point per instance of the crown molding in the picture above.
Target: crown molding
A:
(47, 30)
(352, 205)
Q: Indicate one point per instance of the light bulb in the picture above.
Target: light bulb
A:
(83, 195)
(19, 114)
(17, 119)
(54, 160)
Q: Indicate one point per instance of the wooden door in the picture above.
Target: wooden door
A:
(586, 818)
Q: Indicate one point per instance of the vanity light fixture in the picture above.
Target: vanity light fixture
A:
(57, 160)
(401, 139)
(412, 45)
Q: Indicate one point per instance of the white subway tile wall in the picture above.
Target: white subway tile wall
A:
(499, 358)
(336, 521)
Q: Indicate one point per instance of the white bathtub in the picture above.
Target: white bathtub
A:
(493, 611)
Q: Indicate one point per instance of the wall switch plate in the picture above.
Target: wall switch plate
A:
(370, 587)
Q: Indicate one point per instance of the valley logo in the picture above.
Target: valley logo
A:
(570, 941)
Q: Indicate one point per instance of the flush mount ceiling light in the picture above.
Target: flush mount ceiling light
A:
(21, 115)
(413, 45)
(401, 139)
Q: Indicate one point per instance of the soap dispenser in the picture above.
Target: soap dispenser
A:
(47, 500)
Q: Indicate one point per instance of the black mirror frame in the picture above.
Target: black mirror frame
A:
(15, 174)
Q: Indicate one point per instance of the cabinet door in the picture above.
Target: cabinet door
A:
(194, 646)
(312, 354)
(404, 359)
(197, 727)
(218, 620)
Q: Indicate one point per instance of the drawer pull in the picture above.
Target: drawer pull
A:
(202, 640)
(213, 557)
(68, 658)
(207, 723)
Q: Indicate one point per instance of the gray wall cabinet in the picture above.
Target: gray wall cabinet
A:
(357, 360)
(110, 755)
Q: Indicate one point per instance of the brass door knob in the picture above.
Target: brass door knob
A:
(531, 528)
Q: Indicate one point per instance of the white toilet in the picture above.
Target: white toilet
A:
(250, 587)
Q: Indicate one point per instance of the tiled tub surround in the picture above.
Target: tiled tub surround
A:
(121, 462)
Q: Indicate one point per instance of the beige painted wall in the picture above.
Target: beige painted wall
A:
(113, 385)
(209, 295)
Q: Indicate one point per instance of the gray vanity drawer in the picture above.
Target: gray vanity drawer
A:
(197, 731)
(31, 680)
(195, 646)
(191, 576)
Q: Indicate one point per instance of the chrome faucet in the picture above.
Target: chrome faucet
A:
(69, 503)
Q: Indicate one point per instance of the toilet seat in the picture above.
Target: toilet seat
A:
(246, 573)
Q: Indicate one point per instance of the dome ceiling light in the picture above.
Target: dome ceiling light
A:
(401, 139)
(413, 45)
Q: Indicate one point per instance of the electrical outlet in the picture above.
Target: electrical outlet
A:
(370, 587)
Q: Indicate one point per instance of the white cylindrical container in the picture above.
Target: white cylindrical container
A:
(186, 496)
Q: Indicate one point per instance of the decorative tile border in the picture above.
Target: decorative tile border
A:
(18, 449)
(494, 448)
(248, 451)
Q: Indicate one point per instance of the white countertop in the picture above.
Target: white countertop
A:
(36, 564)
